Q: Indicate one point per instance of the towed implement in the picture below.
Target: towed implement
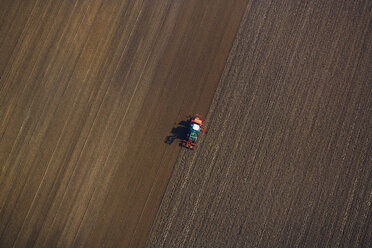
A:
(195, 126)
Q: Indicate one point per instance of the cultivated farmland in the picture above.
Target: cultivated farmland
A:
(287, 160)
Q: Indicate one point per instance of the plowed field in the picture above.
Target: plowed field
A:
(89, 90)
(287, 159)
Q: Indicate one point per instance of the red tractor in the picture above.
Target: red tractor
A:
(195, 126)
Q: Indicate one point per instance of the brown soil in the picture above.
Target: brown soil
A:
(287, 160)
(89, 90)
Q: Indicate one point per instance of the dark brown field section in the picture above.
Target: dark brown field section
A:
(89, 90)
(287, 159)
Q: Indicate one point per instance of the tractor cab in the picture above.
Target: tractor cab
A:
(196, 125)
(194, 130)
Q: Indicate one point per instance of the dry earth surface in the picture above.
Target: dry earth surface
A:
(88, 92)
(287, 159)
(90, 89)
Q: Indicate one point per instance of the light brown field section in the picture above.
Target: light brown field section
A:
(88, 92)
(287, 161)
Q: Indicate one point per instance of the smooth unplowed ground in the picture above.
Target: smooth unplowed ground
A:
(89, 90)
(287, 159)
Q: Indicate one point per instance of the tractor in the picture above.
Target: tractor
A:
(195, 126)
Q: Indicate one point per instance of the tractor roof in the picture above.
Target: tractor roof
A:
(195, 127)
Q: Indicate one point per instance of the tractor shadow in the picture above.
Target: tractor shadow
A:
(178, 133)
